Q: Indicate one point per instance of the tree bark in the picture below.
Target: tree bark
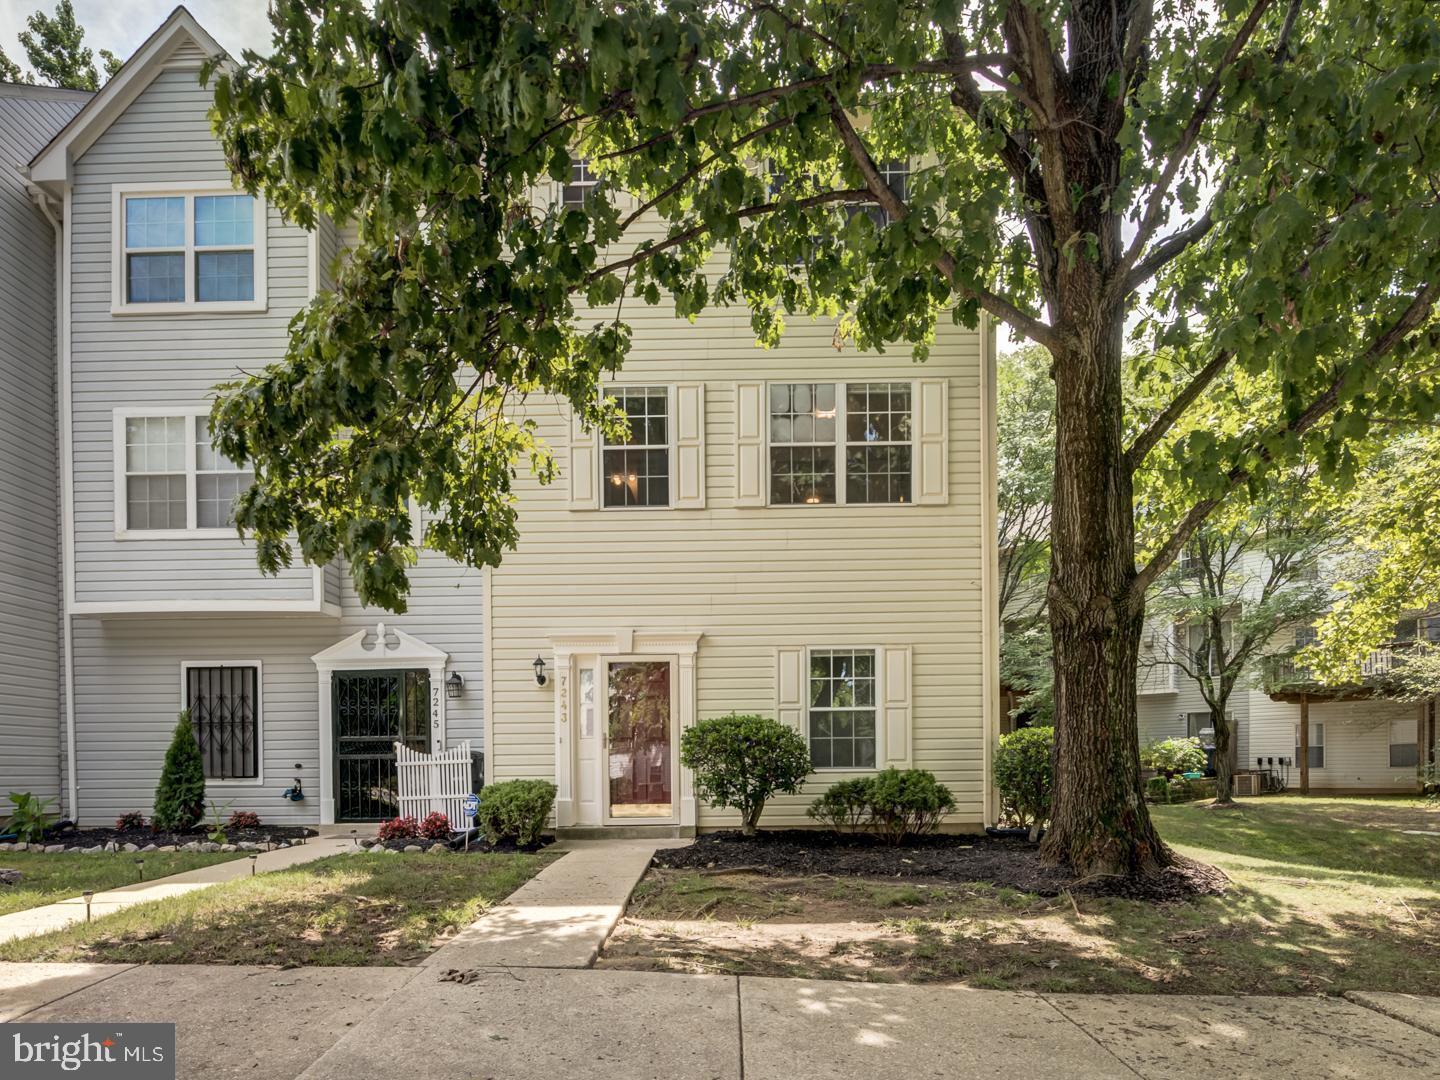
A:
(1224, 772)
(1099, 822)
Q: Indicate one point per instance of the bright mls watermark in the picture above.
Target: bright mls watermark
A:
(82, 1051)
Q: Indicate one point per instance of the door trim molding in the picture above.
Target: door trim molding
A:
(680, 646)
(353, 654)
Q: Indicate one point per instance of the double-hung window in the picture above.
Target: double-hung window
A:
(169, 476)
(1317, 745)
(223, 701)
(841, 713)
(896, 174)
(841, 443)
(582, 181)
(1404, 743)
(636, 469)
(189, 250)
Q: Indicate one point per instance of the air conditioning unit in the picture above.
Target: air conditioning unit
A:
(1246, 783)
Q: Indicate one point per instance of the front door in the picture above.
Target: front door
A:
(373, 710)
(639, 741)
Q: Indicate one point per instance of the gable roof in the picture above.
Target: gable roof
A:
(52, 165)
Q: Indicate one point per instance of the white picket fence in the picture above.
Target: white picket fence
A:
(430, 782)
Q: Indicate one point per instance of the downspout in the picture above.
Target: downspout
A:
(62, 409)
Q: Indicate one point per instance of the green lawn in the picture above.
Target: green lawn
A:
(50, 878)
(339, 910)
(1327, 895)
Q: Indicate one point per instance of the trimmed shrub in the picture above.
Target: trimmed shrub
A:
(30, 818)
(845, 805)
(399, 828)
(1157, 789)
(436, 826)
(1172, 757)
(180, 795)
(742, 760)
(1024, 773)
(907, 802)
(130, 821)
(515, 810)
(243, 819)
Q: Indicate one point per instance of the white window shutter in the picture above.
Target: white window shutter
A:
(896, 711)
(584, 467)
(749, 444)
(690, 446)
(932, 414)
(790, 687)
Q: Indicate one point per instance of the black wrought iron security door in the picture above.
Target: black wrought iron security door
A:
(373, 710)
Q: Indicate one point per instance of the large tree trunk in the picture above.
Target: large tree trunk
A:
(1099, 821)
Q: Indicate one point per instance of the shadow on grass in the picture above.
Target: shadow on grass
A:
(341, 910)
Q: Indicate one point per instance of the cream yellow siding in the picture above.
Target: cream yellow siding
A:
(760, 582)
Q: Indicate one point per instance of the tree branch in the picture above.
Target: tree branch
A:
(1419, 308)
(996, 305)
(1150, 219)
(1146, 440)
(1168, 249)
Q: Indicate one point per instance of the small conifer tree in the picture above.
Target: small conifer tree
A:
(180, 795)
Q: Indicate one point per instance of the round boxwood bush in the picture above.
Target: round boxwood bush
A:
(844, 805)
(515, 810)
(741, 760)
(907, 802)
(1024, 773)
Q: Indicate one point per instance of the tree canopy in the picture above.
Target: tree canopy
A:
(1252, 180)
(54, 45)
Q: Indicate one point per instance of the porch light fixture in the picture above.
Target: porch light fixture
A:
(454, 685)
(540, 677)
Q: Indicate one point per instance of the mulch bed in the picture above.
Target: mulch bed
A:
(996, 860)
(478, 845)
(89, 838)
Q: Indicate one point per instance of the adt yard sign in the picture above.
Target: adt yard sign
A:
(472, 806)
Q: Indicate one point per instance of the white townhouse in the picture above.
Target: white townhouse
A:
(802, 532)
(1359, 742)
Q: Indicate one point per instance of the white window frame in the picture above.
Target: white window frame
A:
(670, 457)
(192, 530)
(237, 782)
(842, 443)
(878, 652)
(119, 305)
(1317, 727)
(1412, 741)
(588, 186)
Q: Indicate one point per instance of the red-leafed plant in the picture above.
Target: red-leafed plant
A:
(243, 819)
(436, 826)
(400, 828)
(130, 820)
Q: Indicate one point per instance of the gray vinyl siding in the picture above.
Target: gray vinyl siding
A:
(30, 593)
(149, 361)
(128, 690)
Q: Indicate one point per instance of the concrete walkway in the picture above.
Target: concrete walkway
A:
(42, 920)
(559, 918)
(560, 1023)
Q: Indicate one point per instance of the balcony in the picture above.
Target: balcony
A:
(1279, 674)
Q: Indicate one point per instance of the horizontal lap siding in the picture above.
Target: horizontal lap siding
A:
(30, 656)
(1357, 741)
(128, 699)
(752, 579)
(149, 361)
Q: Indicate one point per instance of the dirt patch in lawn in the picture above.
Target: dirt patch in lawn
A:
(340, 910)
(1006, 862)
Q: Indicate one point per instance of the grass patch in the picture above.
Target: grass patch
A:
(1327, 895)
(51, 878)
(339, 910)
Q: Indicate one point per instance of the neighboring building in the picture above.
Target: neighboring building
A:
(801, 532)
(31, 661)
(1359, 741)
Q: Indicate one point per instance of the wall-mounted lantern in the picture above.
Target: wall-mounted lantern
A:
(454, 685)
(540, 677)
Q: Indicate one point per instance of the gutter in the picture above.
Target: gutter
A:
(62, 408)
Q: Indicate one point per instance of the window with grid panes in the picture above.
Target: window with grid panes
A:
(841, 714)
(636, 470)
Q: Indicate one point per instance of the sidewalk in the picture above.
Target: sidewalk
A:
(558, 1024)
(42, 920)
